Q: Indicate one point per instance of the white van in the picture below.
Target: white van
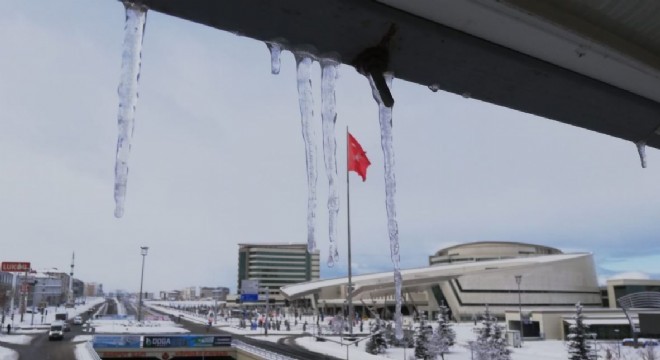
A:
(56, 331)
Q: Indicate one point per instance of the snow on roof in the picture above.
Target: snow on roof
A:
(426, 274)
(611, 321)
(633, 275)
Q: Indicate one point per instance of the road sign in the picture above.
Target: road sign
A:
(249, 297)
(15, 266)
(181, 341)
(249, 290)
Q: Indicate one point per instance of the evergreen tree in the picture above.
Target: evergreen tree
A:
(490, 344)
(422, 341)
(445, 327)
(376, 344)
(578, 348)
(443, 337)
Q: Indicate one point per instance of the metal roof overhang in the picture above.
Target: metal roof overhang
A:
(590, 64)
(415, 279)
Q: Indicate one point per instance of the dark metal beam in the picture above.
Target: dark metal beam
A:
(427, 53)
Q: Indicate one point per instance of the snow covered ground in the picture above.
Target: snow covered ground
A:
(24, 332)
(39, 321)
(531, 350)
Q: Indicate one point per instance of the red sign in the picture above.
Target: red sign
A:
(15, 266)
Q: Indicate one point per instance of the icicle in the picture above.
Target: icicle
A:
(434, 87)
(136, 17)
(329, 118)
(306, 101)
(275, 51)
(385, 118)
(641, 149)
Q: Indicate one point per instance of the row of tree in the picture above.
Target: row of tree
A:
(432, 343)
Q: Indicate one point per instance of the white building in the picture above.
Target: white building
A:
(486, 275)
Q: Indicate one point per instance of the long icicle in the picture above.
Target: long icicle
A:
(329, 118)
(385, 119)
(306, 101)
(136, 17)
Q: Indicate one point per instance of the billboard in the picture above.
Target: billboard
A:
(116, 341)
(15, 266)
(192, 341)
(249, 290)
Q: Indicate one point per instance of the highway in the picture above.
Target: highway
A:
(43, 349)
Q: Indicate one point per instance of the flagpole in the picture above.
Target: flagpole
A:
(351, 315)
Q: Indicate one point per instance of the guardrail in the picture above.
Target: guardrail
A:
(92, 352)
(264, 354)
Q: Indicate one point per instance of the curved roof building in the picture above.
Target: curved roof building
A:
(485, 275)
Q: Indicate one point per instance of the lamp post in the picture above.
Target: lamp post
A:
(143, 252)
(522, 336)
(618, 344)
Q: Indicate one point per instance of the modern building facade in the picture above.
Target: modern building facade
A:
(617, 288)
(93, 289)
(277, 265)
(559, 282)
(485, 276)
(217, 293)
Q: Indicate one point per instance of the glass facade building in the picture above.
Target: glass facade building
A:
(276, 265)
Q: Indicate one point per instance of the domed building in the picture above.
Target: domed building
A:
(505, 276)
(554, 280)
(489, 250)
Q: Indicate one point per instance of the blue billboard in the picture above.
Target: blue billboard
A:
(117, 341)
(249, 297)
(190, 341)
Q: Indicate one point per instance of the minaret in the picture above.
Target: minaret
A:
(71, 300)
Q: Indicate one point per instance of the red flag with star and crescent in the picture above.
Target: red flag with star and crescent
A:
(357, 158)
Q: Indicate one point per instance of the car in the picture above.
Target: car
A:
(56, 331)
(65, 326)
(78, 320)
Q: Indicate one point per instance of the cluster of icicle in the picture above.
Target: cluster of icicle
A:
(304, 60)
(329, 67)
(130, 73)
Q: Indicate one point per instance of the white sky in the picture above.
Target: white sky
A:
(218, 159)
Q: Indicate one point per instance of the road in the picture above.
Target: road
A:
(285, 346)
(43, 349)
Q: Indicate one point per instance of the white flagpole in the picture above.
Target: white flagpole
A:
(351, 312)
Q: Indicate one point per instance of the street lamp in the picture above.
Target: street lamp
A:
(618, 344)
(143, 252)
(518, 280)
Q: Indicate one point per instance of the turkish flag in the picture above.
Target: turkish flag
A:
(357, 158)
